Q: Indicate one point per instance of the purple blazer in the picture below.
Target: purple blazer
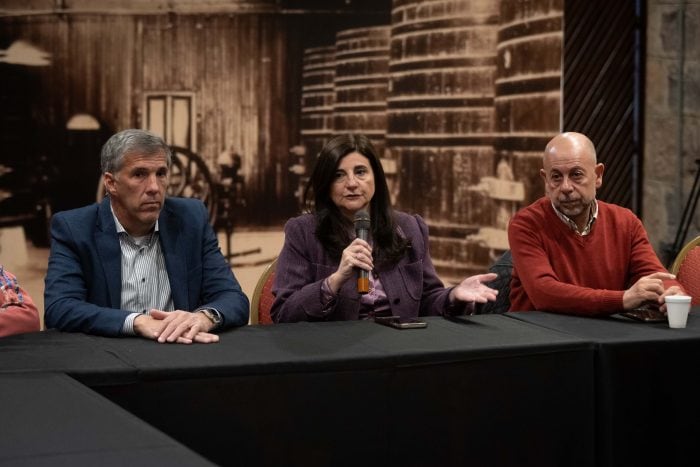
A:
(411, 285)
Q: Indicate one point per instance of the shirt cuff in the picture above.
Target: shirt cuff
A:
(128, 326)
(217, 313)
(327, 295)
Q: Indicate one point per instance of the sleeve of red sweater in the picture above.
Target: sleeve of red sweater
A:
(643, 258)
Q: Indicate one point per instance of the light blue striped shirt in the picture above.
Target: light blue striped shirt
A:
(145, 283)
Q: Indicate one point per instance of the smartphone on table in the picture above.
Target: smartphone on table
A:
(646, 314)
(398, 323)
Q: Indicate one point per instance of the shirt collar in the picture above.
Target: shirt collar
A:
(589, 225)
(120, 227)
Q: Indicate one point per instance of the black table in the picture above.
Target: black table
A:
(83, 357)
(50, 419)
(647, 410)
(484, 390)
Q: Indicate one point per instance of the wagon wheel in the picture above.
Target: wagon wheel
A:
(189, 178)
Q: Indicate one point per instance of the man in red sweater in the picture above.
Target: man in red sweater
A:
(574, 254)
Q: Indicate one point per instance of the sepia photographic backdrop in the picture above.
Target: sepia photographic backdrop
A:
(458, 96)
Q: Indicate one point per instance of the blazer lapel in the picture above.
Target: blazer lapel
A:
(172, 243)
(110, 252)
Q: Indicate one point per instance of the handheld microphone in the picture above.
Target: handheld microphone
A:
(362, 226)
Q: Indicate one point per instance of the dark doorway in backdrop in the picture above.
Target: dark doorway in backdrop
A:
(78, 163)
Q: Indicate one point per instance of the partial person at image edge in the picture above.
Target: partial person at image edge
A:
(18, 314)
(138, 262)
(317, 268)
(574, 254)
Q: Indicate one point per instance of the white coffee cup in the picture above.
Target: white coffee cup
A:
(677, 309)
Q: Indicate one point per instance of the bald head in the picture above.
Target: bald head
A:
(569, 144)
(571, 175)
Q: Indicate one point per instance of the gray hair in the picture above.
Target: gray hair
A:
(131, 141)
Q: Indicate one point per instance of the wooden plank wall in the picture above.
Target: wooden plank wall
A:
(246, 86)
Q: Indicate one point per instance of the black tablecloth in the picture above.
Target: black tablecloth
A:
(50, 419)
(484, 390)
(82, 356)
(647, 411)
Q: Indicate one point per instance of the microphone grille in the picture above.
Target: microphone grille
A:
(362, 220)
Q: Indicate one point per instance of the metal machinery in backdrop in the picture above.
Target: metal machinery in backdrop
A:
(298, 167)
(230, 199)
(190, 178)
(25, 198)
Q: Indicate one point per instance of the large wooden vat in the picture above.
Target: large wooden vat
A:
(361, 82)
(440, 120)
(317, 97)
(528, 87)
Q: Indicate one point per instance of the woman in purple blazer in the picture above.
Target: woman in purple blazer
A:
(317, 268)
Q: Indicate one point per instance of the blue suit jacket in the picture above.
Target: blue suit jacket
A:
(83, 281)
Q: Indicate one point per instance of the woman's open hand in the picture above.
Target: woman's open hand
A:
(472, 289)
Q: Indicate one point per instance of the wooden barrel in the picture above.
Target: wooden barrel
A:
(528, 87)
(317, 97)
(361, 82)
(440, 120)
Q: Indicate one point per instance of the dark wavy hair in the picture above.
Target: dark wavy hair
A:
(332, 228)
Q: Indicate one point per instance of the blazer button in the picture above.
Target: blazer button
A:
(397, 301)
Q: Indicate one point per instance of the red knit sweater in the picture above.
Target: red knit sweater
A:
(555, 269)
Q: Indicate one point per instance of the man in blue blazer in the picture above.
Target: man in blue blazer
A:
(139, 263)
